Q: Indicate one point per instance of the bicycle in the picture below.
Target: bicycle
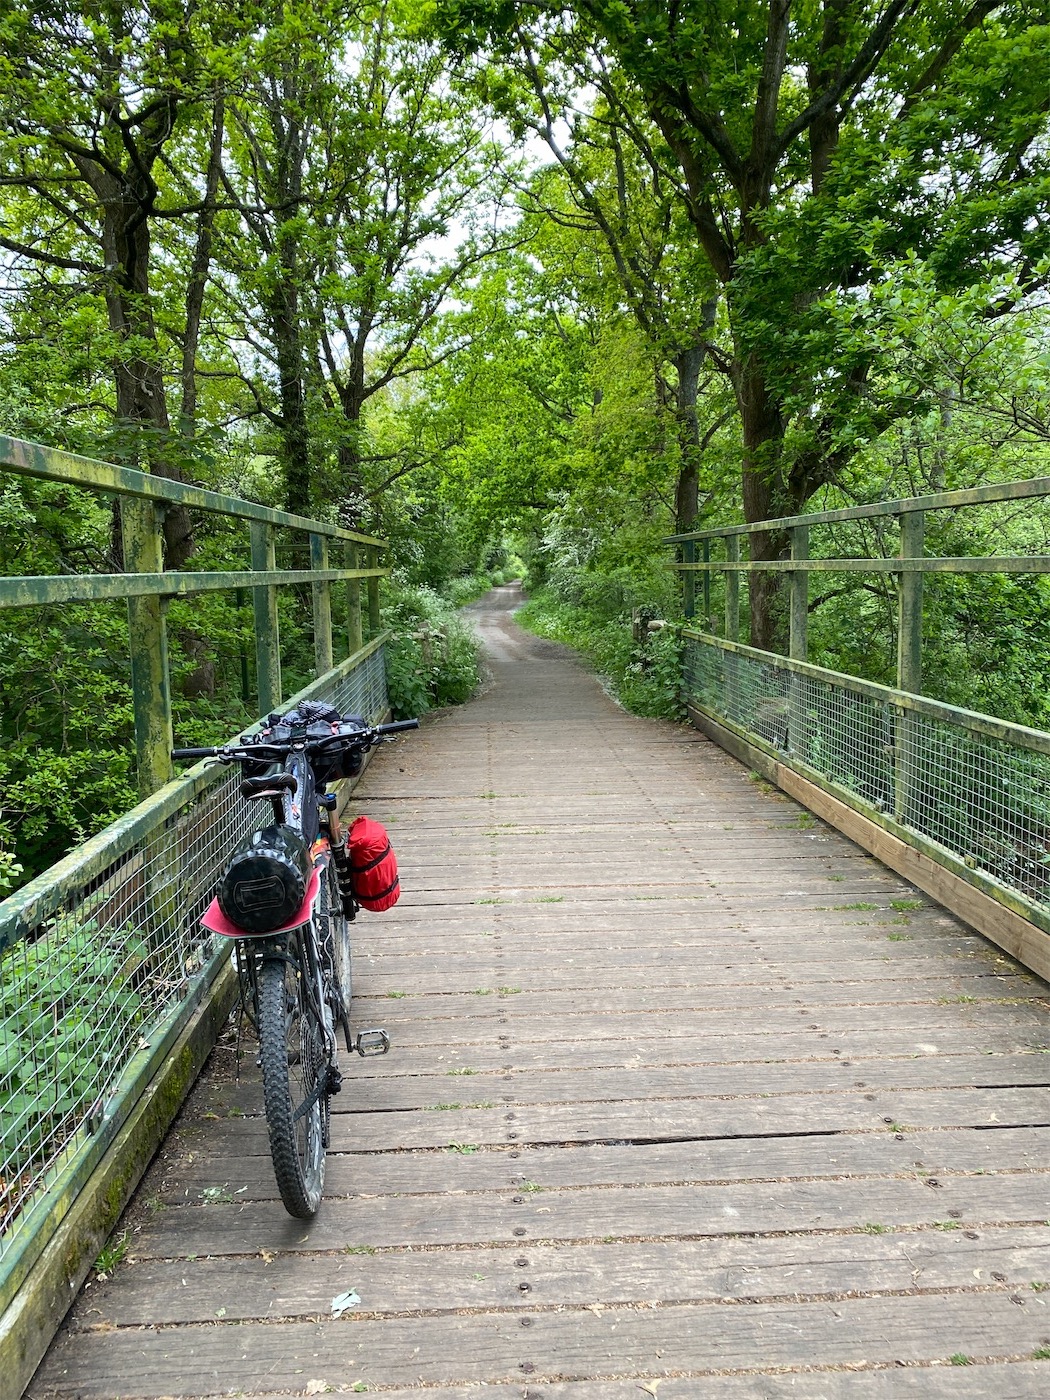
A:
(289, 911)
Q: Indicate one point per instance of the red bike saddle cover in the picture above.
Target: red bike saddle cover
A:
(373, 865)
(216, 921)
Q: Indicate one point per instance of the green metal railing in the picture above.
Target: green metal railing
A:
(969, 791)
(104, 963)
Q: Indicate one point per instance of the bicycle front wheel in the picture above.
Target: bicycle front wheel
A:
(294, 1074)
(337, 940)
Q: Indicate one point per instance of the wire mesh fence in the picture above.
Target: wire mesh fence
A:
(977, 787)
(84, 989)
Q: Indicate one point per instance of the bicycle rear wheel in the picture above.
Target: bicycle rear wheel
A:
(294, 1074)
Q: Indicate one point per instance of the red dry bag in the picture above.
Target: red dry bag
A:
(373, 865)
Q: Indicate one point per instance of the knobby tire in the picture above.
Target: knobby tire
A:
(292, 1054)
(337, 928)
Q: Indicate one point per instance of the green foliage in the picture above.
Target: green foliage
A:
(54, 996)
(432, 659)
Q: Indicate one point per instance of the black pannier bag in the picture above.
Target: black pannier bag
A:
(313, 719)
(265, 880)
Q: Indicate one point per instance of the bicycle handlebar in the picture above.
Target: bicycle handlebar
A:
(349, 738)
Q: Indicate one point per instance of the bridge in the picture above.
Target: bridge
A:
(704, 1083)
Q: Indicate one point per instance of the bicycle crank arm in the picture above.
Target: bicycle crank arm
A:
(375, 1042)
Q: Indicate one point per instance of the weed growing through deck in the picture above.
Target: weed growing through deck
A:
(492, 901)
(114, 1252)
(440, 1107)
(532, 1186)
(481, 992)
(396, 996)
(946, 1224)
(549, 899)
(961, 1359)
(464, 1070)
(1041, 1354)
(962, 1000)
(902, 906)
(358, 1249)
(483, 1103)
(900, 937)
(1039, 1287)
(859, 904)
(464, 1147)
(804, 822)
(838, 879)
(508, 991)
(216, 1195)
(872, 1228)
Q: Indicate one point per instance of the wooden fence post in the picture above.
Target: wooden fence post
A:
(322, 603)
(267, 633)
(909, 659)
(142, 533)
(688, 580)
(374, 624)
(705, 555)
(798, 642)
(355, 638)
(732, 589)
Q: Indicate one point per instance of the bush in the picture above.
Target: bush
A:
(432, 658)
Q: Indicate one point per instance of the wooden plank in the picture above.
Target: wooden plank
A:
(587, 1213)
(1009, 1380)
(666, 1047)
(212, 1164)
(295, 1284)
(473, 1348)
(578, 1085)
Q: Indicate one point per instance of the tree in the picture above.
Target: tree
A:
(790, 131)
(92, 103)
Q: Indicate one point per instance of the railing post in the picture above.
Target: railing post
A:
(142, 534)
(267, 634)
(705, 555)
(909, 606)
(688, 580)
(909, 659)
(732, 589)
(322, 600)
(798, 640)
(374, 624)
(355, 637)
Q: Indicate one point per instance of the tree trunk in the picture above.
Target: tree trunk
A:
(687, 493)
(141, 399)
(763, 433)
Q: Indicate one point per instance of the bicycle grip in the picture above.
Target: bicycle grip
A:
(181, 754)
(397, 726)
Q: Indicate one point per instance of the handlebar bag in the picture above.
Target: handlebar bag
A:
(373, 865)
(265, 880)
(313, 719)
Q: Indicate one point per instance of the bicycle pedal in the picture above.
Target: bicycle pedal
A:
(375, 1042)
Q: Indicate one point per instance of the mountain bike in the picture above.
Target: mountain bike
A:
(287, 898)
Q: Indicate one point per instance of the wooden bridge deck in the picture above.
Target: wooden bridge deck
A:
(689, 1098)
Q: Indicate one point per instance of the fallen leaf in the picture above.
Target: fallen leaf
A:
(317, 1387)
